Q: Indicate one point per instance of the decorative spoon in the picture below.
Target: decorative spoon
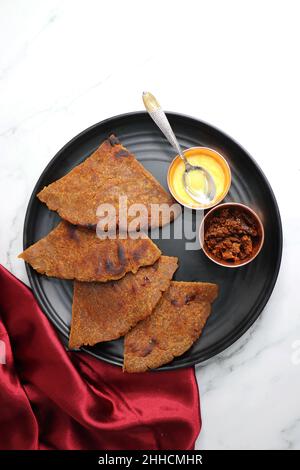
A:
(197, 181)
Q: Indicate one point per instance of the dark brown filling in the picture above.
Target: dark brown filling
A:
(231, 235)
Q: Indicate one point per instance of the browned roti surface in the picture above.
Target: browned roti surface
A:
(70, 252)
(111, 171)
(175, 324)
(103, 312)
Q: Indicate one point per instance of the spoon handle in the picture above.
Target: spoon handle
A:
(161, 120)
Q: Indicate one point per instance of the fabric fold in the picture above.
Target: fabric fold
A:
(54, 399)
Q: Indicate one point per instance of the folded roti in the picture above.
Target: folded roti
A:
(111, 171)
(70, 252)
(104, 312)
(175, 324)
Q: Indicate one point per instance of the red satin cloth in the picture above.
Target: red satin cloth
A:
(53, 399)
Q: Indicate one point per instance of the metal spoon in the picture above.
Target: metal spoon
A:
(194, 175)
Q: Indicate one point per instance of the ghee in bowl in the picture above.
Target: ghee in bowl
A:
(209, 159)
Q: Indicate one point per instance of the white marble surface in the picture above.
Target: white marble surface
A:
(65, 65)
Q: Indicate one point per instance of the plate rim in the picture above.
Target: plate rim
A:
(234, 336)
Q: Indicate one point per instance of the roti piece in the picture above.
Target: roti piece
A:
(175, 324)
(103, 312)
(110, 172)
(70, 252)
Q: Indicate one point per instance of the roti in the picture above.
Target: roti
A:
(104, 312)
(109, 173)
(175, 324)
(70, 252)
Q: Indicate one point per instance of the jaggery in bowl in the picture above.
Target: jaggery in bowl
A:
(231, 234)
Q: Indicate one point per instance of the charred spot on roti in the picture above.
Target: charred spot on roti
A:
(139, 252)
(149, 348)
(121, 254)
(113, 140)
(122, 153)
(72, 232)
(189, 298)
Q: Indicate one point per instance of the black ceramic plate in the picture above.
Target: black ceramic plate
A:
(243, 291)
